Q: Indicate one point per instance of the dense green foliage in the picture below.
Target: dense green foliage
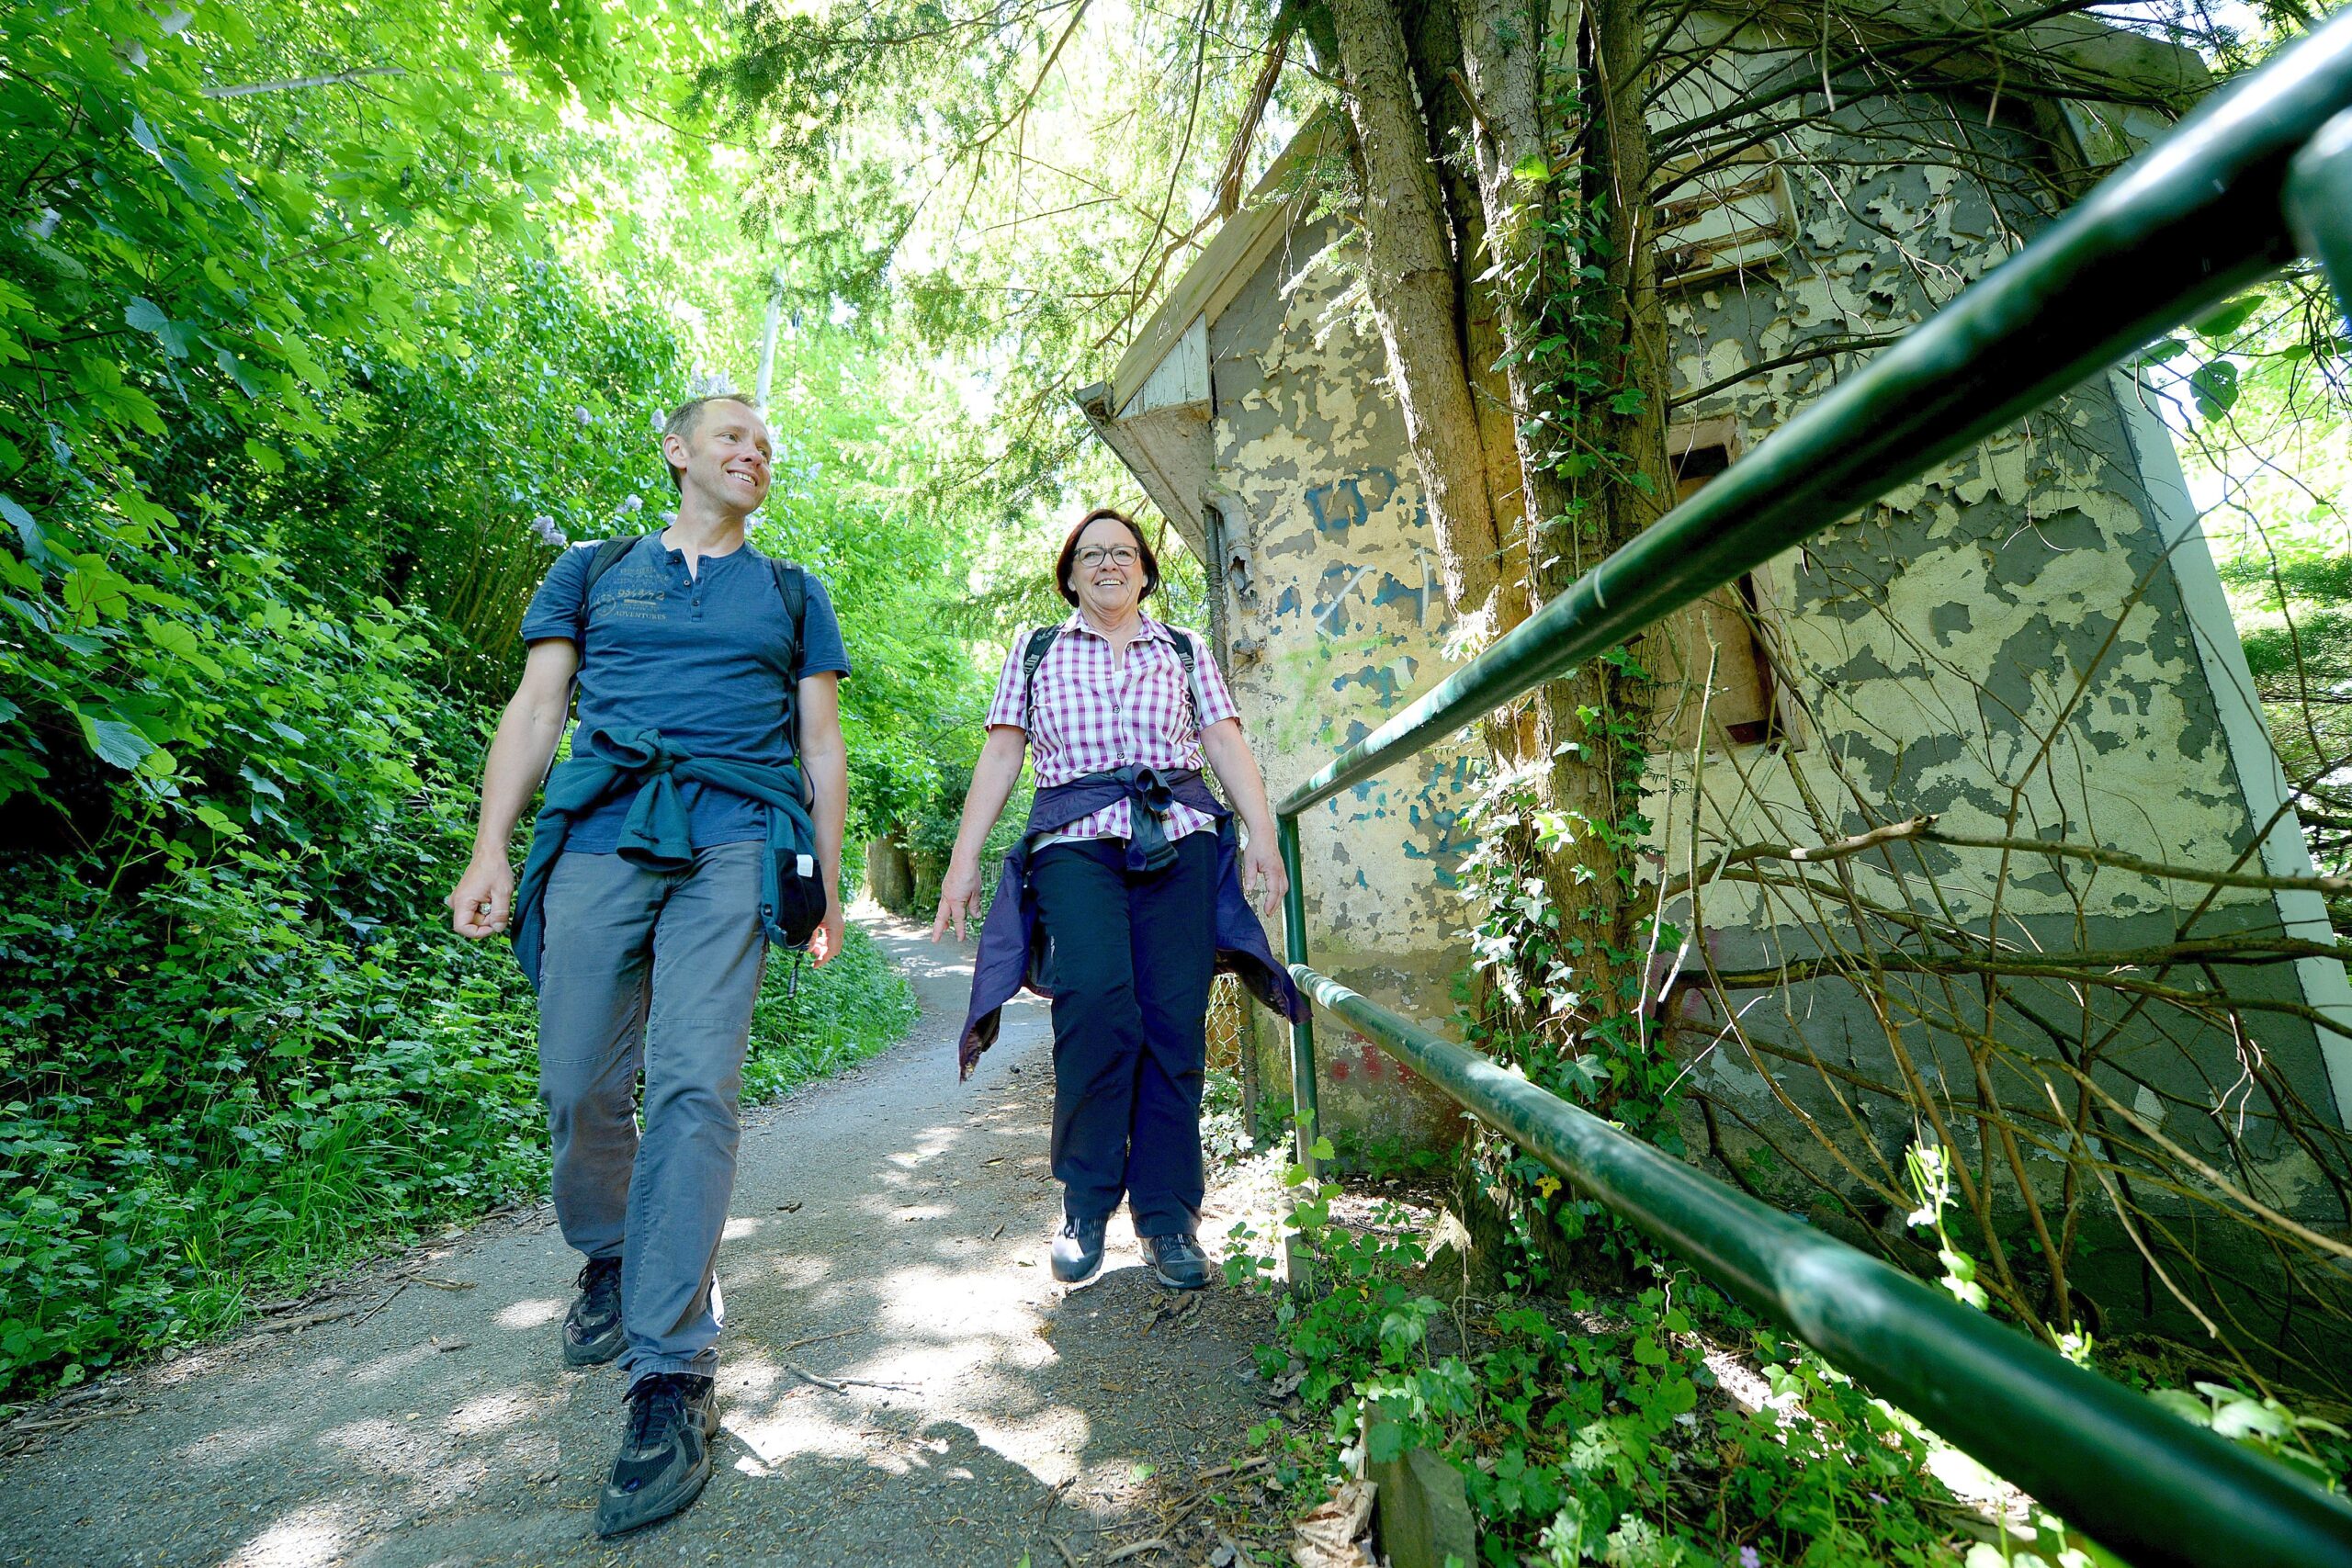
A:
(1656, 1425)
(319, 334)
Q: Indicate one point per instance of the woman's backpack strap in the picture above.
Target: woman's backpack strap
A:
(1041, 642)
(1189, 656)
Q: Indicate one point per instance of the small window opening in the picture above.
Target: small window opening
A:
(1742, 704)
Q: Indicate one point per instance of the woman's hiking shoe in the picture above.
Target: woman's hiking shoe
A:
(1077, 1251)
(1177, 1261)
(591, 1329)
(665, 1452)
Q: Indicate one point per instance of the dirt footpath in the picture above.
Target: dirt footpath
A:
(902, 1383)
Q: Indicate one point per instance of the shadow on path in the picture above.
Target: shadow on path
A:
(887, 1236)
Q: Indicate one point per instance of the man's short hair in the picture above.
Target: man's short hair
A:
(687, 418)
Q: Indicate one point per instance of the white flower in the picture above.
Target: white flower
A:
(544, 527)
(580, 413)
(634, 503)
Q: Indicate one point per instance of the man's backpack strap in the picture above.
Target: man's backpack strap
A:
(792, 583)
(607, 556)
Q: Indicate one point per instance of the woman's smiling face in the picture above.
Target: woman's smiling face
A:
(1106, 572)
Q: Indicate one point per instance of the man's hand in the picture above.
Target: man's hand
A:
(1262, 877)
(959, 898)
(483, 899)
(825, 941)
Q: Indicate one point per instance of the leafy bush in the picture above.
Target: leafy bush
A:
(811, 1024)
(212, 1091)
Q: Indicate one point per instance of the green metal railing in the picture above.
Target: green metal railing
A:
(2254, 178)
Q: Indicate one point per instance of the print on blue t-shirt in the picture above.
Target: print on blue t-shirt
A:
(699, 657)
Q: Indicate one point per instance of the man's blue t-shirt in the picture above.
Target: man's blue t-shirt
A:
(698, 658)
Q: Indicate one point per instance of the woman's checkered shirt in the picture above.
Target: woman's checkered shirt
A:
(1092, 716)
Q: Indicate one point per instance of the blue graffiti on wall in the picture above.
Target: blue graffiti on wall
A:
(1340, 505)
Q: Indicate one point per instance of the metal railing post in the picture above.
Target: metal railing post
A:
(1302, 1032)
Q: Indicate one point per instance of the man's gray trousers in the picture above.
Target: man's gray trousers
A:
(657, 969)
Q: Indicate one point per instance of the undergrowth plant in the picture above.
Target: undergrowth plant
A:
(1599, 1426)
(1590, 1428)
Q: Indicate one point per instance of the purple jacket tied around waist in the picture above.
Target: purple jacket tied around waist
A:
(1010, 952)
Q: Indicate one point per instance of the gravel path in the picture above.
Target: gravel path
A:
(889, 1226)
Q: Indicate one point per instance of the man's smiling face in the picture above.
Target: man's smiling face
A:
(726, 456)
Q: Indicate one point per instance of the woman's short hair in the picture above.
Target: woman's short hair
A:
(1069, 557)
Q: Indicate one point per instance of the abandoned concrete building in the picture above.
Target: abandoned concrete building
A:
(2032, 638)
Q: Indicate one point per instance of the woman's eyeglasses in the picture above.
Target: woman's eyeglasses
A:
(1117, 554)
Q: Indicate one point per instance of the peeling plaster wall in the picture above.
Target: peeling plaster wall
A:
(1338, 617)
(2005, 642)
(1941, 640)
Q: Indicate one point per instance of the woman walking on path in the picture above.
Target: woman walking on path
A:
(1124, 897)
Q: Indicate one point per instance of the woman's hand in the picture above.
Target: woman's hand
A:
(959, 897)
(1263, 880)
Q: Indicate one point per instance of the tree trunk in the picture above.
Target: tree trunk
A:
(1415, 297)
(1496, 156)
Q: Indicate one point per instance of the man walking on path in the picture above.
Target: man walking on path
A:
(700, 817)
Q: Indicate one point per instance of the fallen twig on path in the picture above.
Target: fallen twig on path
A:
(379, 1305)
(1063, 1547)
(309, 1320)
(839, 1385)
(1218, 1472)
(1157, 1544)
(83, 1395)
(442, 1284)
(67, 1423)
(820, 1339)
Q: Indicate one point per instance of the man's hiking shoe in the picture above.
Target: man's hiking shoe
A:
(1177, 1261)
(591, 1329)
(665, 1452)
(1077, 1251)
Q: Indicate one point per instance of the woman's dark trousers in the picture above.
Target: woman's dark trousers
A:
(1132, 955)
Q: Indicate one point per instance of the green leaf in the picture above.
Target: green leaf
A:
(266, 458)
(1384, 1442)
(2249, 1417)
(1531, 169)
(144, 315)
(1322, 1149)
(124, 746)
(180, 640)
(220, 822)
(2214, 386)
(95, 595)
(2228, 319)
(28, 528)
